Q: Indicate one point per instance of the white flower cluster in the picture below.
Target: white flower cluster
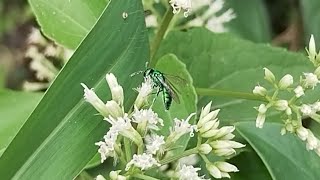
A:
(177, 5)
(38, 51)
(144, 123)
(218, 141)
(293, 109)
(210, 18)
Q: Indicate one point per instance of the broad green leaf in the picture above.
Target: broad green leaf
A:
(285, 156)
(252, 20)
(228, 63)
(311, 19)
(15, 107)
(67, 21)
(58, 138)
(177, 73)
(250, 166)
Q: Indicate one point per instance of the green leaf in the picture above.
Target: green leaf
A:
(252, 20)
(250, 166)
(228, 63)
(58, 138)
(311, 17)
(171, 66)
(67, 21)
(15, 107)
(285, 156)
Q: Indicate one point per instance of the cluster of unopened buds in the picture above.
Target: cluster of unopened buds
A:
(293, 109)
(134, 141)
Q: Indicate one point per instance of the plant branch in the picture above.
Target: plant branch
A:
(178, 156)
(159, 36)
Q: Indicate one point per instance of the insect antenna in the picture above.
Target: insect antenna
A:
(136, 73)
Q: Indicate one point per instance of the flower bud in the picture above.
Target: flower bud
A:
(205, 149)
(91, 97)
(260, 91)
(312, 49)
(100, 177)
(317, 72)
(299, 91)
(209, 125)
(214, 171)
(205, 110)
(281, 105)
(302, 133)
(208, 117)
(114, 175)
(224, 152)
(268, 75)
(226, 167)
(114, 109)
(285, 82)
(116, 89)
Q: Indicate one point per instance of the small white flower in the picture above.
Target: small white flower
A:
(51, 51)
(154, 143)
(143, 161)
(177, 5)
(259, 90)
(144, 91)
(316, 106)
(189, 173)
(183, 126)
(148, 117)
(216, 23)
(311, 80)
(281, 105)
(105, 150)
(226, 167)
(268, 75)
(312, 141)
(116, 89)
(36, 37)
(91, 97)
(299, 91)
(302, 133)
(306, 110)
(285, 81)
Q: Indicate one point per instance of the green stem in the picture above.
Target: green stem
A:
(159, 36)
(127, 148)
(178, 156)
(142, 176)
(206, 160)
(199, 140)
(233, 94)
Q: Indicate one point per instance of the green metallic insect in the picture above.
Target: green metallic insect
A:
(162, 83)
